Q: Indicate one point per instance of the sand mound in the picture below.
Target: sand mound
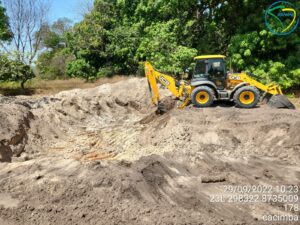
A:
(103, 156)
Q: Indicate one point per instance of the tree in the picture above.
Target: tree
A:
(5, 32)
(5, 36)
(161, 47)
(27, 18)
(266, 56)
(11, 70)
(85, 7)
(89, 39)
(51, 63)
(115, 36)
(81, 68)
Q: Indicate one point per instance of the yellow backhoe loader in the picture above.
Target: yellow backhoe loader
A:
(211, 82)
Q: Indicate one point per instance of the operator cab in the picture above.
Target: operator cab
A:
(210, 68)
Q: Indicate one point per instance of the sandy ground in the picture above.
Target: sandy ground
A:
(102, 156)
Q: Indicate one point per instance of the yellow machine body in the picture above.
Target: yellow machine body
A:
(153, 76)
(239, 87)
(236, 79)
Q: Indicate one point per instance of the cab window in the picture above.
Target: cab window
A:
(216, 67)
(200, 69)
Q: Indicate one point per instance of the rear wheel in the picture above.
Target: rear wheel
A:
(202, 96)
(246, 97)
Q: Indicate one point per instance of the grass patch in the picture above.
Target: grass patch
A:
(14, 89)
(37, 86)
(291, 95)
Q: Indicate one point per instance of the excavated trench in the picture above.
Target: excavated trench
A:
(103, 156)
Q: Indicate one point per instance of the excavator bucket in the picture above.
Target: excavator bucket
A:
(161, 108)
(278, 101)
(165, 105)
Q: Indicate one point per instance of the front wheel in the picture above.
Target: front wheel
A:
(202, 96)
(246, 97)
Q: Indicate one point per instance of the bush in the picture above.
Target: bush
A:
(81, 68)
(11, 70)
(160, 47)
(261, 53)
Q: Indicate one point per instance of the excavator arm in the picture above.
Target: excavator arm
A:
(178, 89)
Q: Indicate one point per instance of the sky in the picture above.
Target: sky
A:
(65, 8)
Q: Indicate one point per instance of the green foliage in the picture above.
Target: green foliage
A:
(265, 55)
(5, 33)
(14, 70)
(296, 76)
(121, 50)
(52, 62)
(161, 47)
(81, 68)
(117, 36)
(52, 41)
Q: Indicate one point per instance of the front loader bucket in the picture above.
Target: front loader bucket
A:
(278, 101)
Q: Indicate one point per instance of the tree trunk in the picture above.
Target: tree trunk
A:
(23, 84)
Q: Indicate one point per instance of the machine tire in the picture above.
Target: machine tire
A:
(246, 97)
(202, 96)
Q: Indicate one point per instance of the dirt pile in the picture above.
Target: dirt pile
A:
(229, 132)
(152, 190)
(102, 156)
(68, 114)
(14, 123)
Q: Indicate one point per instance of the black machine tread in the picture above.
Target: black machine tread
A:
(210, 92)
(246, 88)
